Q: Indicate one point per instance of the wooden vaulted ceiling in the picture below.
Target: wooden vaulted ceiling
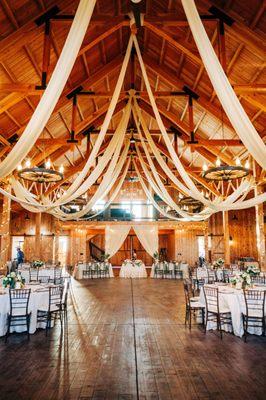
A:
(172, 61)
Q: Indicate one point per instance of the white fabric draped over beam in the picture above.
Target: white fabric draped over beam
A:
(54, 88)
(115, 236)
(232, 106)
(148, 237)
(194, 192)
(217, 204)
(114, 193)
(73, 192)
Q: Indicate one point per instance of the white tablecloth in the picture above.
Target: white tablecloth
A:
(78, 271)
(234, 300)
(182, 267)
(37, 299)
(132, 270)
(49, 272)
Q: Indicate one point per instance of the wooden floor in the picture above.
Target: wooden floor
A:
(126, 340)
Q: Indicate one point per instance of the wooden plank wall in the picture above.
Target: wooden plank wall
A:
(242, 229)
(24, 227)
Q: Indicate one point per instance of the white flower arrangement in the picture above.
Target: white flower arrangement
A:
(241, 279)
(253, 270)
(218, 263)
(37, 263)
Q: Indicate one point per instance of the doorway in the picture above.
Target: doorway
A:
(17, 241)
(62, 250)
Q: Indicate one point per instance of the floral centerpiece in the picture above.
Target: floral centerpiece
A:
(156, 257)
(138, 263)
(218, 263)
(252, 270)
(13, 281)
(37, 264)
(241, 280)
(104, 257)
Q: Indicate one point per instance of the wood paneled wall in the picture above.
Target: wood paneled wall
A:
(186, 243)
(26, 227)
(242, 229)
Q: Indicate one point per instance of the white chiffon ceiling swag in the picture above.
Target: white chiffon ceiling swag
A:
(232, 106)
(54, 89)
(112, 162)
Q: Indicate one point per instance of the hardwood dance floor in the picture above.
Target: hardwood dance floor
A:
(117, 327)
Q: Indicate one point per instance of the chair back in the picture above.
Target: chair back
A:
(188, 292)
(57, 273)
(259, 280)
(19, 301)
(211, 275)
(211, 295)
(55, 297)
(44, 279)
(255, 302)
(34, 274)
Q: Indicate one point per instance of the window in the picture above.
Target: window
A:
(99, 205)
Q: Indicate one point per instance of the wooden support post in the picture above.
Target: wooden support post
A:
(226, 238)
(38, 220)
(5, 230)
(206, 241)
(260, 232)
(56, 242)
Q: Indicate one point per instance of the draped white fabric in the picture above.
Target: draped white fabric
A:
(195, 193)
(232, 106)
(54, 89)
(115, 236)
(148, 237)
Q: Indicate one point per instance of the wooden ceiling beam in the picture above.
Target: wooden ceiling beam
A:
(172, 80)
(94, 119)
(209, 154)
(88, 82)
(190, 53)
(238, 30)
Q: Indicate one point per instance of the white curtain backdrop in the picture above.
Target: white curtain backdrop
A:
(115, 236)
(54, 89)
(232, 106)
(148, 237)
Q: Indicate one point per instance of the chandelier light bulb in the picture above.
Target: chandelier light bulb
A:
(247, 165)
(61, 169)
(48, 164)
(28, 163)
(19, 167)
(218, 162)
(205, 167)
(238, 162)
(181, 196)
(58, 195)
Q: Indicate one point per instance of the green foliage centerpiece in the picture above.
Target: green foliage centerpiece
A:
(13, 281)
(37, 264)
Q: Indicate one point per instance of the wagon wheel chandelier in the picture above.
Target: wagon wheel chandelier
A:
(190, 204)
(40, 174)
(224, 172)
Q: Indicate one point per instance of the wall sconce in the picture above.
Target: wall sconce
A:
(230, 240)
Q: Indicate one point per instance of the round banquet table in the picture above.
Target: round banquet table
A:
(39, 297)
(49, 272)
(234, 300)
(131, 269)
